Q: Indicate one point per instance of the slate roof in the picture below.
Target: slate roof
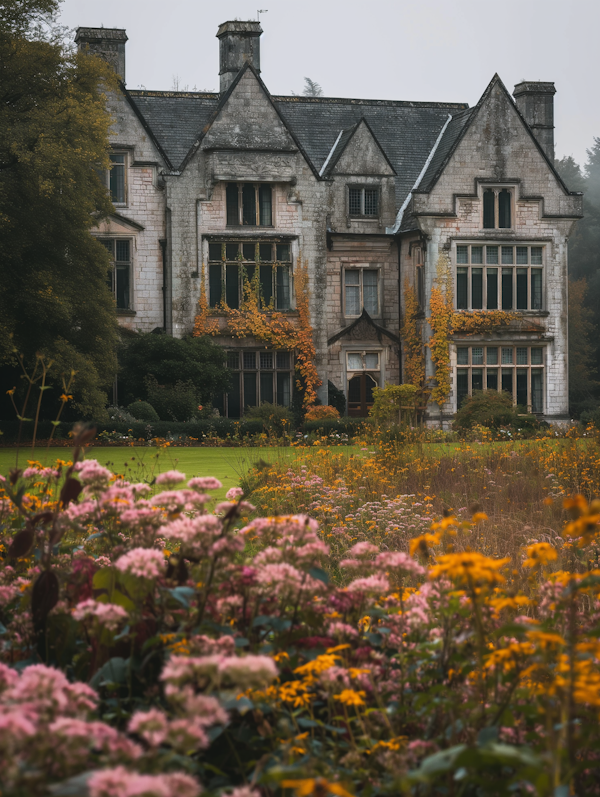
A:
(452, 134)
(406, 131)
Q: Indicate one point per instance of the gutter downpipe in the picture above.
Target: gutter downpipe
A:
(163, 247)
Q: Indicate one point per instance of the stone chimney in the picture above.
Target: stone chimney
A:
(535, 100)
(239, 42)
(108, 43)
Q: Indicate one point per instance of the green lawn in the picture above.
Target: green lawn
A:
(137, 464)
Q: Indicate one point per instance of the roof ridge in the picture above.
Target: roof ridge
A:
(393, 103)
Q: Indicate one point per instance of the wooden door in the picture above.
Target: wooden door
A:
(360, 395)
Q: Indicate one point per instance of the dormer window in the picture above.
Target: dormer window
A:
(497, 208)
(249, 205)
(363, 202)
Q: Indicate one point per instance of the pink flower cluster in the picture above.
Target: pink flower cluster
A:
(108, 615)
(244, 672)
(121, 782)
(142, 562)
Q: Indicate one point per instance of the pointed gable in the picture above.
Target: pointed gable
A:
(247, 119)
(357, 151)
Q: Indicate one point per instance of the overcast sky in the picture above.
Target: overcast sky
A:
(427, 50)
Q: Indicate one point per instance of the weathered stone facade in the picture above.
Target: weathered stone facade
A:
(368, 195)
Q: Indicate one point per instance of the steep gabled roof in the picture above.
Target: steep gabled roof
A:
(342, 142)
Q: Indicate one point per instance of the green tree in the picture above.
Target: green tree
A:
(177, 364)
(583, 387)
(53, 138)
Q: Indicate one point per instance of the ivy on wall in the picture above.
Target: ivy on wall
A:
(412, 339)
(274, 328)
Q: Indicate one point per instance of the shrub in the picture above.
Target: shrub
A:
(336, 398)
(143, 411)
(319, 412)
(120, 415)
(492, 410)
(176, 402)
(326, 426)
(276, 420)
(394, 404)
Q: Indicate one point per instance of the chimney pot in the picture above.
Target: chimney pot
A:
(535, 101)
(239, 43)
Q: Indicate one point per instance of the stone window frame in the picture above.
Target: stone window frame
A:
(484, 262)
(363, 188)
(361, 268)
(482, 367)
(259, 365)
(511, 189)
(242, 219)
(120, 265)
(105, 177)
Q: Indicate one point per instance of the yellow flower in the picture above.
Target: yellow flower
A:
(315, 787)
(506, 658)
(469, 568)
(351, 698)
(421, 544)
(396, 743)
(318, 665)
(546, 639)
(280, 656)
(540, 554)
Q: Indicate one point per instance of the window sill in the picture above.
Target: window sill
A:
(123, 312)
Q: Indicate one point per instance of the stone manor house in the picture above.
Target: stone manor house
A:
(380, 199)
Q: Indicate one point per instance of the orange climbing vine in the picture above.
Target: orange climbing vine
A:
(414, 354)
(441, 306)
(274, 328)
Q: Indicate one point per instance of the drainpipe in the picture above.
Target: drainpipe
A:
(398, 240)
(163, 247)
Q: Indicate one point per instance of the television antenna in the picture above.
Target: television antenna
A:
(260, 11)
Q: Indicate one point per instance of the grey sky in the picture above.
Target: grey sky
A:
(440, 50)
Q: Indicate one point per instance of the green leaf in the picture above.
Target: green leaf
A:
(319, 574)
(113, 672)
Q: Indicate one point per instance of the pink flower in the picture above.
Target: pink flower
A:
(39, 473)
(108, 614)
(8, 593)
(234, 493)
(8, 677)
(249, 672)
(170, 477)
(398, 560)
(188, 530)
(92, 474)
(120, 782)
(363, 549)
(373, 584)
(187, 735)
(151, 725)
(204, 483)
(142, 562)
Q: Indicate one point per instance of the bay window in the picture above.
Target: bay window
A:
(499, 277)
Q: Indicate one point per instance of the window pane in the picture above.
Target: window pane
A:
(492, 355)
(283, 288)
(536, 288)
(536, 356)
(283, 389)
(122, 251)
(461, 288)
(507, 288)
(232, 251)
(249, 251)
(249, 205)
(352, 277)
(234, 404)
(233, 360)
(537, 390)
(370, 298)
(477, 355)
(372, 361)
(283, 253)
(266, 387)
(507, 356)
(462, 385)
(420, 287)
(492, 379)
(250, 389)
(232, 281)
(521, 289)
(504, 209)
(522, 387)
(231, 200)
(355, 362)
(462, 254)
(522, 255)
(117, 178)
(536, 255)
(477, 288)
(507, 380)
(265, 212)
(477, 379)
(265, 252)
(507, 254)
(248, 271)
(371, 201)
(352, 291)
(354, 196)
(492, 288)
(122, 287)
(491, 254)
(249, 360)
(489, 201)
(266, 285)
(214, 284)
(522, 356)
(462, 355)
(214, 252)
(107, 243)
(477, 254)
(266, 359)
(283, 359)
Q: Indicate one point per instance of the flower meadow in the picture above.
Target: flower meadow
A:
(156, 642)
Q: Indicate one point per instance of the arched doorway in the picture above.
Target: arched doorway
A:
(360, 395)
